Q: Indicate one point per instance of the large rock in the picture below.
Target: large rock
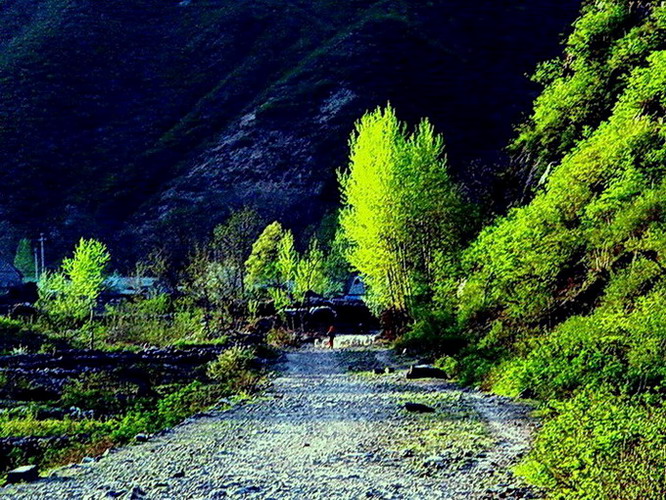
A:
(22, 474)
(425, 371)
(418, 408)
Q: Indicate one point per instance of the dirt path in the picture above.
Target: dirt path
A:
(320, 432)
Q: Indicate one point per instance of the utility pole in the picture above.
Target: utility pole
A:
(42, 240)
(34, 251)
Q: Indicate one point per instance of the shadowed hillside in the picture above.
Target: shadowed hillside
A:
(129, 117)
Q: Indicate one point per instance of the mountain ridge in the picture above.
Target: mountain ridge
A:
(108, 110)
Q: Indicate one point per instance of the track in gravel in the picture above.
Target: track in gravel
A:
(318, 432)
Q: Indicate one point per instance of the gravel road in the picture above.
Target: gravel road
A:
(320, 432)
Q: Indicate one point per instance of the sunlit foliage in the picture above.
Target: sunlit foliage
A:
(402, 212)
(70, 295)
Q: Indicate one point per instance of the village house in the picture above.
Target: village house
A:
(10, 277)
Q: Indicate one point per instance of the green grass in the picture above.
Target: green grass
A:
(233, 377)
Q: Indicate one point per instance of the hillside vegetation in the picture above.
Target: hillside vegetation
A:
(560, 299)
(563, 299)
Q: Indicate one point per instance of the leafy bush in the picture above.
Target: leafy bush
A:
(436, 333)
(188, 400)
(600, 445)
(282, 337)
(449, 365)
(235, 370)
(99, 392)
(476, 364)
(134, 422)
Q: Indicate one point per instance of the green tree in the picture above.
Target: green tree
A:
(232, 244)
(312, 273)
(261, 268)
(287, 262)
(282, 290)
(276, 269)
(209, 284)
(214, 276)
(70, 295)
(330, 238)
(401, 211)
(24, 260)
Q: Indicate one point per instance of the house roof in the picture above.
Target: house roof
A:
(9, 275)
(356, 287)
(129, 285)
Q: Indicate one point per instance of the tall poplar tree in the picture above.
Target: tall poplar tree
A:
(402, 213)
(261, 267)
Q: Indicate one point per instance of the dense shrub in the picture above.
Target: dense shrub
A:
(188, 400)
(599, 445)
(283, 337)
(235, 370)
(436, 333)
(99, 392)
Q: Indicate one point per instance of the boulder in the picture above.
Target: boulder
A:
(22, 474)
(136, 493)
(425, 371)
(418, 408)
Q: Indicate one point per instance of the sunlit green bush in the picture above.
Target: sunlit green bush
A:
(157, 321)
(599, 445)
(188, 400)
(235, 370)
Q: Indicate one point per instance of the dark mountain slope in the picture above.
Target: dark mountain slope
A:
(127, 117)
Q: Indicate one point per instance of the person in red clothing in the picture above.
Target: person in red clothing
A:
(331, 336)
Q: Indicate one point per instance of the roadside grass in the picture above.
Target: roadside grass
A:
(231, 378)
